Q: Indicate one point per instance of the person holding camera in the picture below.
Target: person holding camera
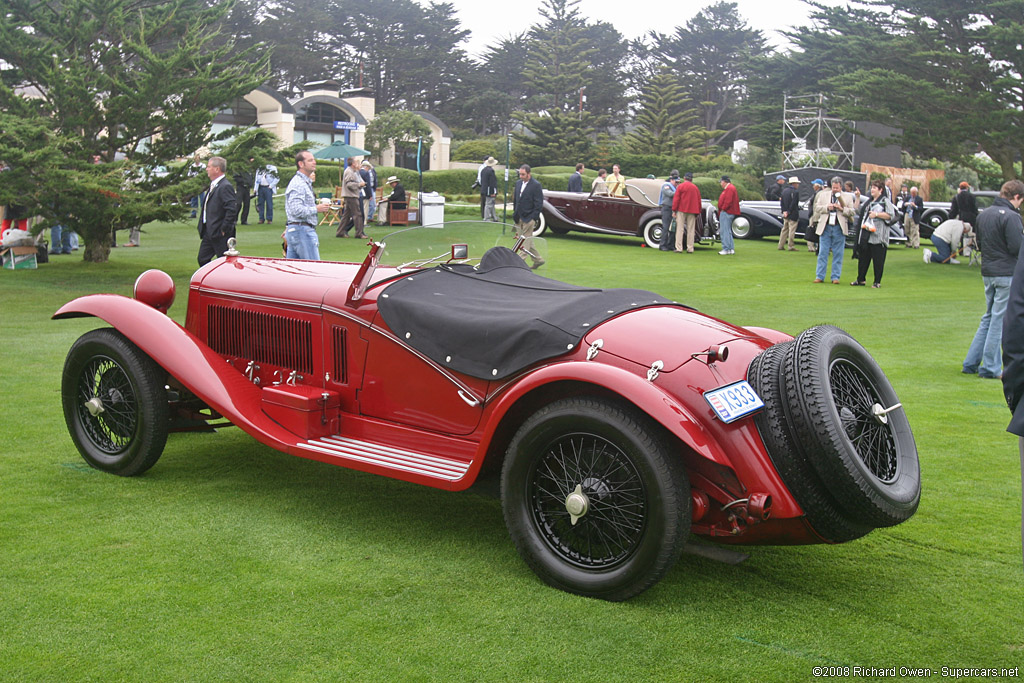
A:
(873, 237)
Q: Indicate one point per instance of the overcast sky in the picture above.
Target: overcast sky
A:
(491, 20)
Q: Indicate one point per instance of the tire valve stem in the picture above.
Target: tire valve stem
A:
(881, 414)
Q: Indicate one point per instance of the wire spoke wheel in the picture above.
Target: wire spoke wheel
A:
(115, 403)
(855, 396)
(848, 421)
(113, 427)
(595, 498)
(614, 522)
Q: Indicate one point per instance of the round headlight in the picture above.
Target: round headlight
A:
(155, 288)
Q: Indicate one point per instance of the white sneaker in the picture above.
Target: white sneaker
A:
(732, 251)
(927, 254)
(954, 262)
(724, 252)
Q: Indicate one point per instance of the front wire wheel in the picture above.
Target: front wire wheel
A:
(115, 403)
(594, 499)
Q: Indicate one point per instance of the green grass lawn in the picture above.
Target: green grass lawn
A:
(230, 561)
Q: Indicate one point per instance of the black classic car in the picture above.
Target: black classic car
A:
(763, 218)
(636, 214)
(936, 212)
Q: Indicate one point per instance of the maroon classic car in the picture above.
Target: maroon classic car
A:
(621, 422)
(636, 214)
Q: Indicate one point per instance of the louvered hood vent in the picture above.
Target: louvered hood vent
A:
(261, 337)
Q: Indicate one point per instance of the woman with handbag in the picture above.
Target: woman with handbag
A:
(873, 237)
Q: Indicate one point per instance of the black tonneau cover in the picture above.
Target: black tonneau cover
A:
(494, 320)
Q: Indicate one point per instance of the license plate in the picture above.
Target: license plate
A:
(733, 401)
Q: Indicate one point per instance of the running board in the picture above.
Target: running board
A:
(388, 457)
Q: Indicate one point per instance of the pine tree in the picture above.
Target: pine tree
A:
(664, 118)
(556, 137)
(559, 57)
(711, 56)
(97, 94)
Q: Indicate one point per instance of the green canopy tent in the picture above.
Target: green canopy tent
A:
(340, 150)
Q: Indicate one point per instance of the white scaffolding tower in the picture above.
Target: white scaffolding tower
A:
(805, 118)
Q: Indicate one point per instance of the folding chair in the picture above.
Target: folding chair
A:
(334, 215)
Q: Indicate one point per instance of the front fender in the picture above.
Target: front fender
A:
(200, 369)
(762, 216)
(647, 396)
(555, 217)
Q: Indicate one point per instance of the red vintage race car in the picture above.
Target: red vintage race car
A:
(621, 422)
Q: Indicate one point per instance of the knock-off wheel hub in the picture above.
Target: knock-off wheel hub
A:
(577, 504)
(94, 405)
(881, 414)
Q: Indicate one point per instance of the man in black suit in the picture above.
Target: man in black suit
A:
(528, 201)
(218, 214)
(576, 179)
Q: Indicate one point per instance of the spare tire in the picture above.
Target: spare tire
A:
(848, 421)
(823, 512)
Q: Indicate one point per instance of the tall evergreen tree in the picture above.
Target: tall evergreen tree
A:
(557, 137)
(953, 78)
(408, 54)
(710, 56)
(664, 119)
(95, 80)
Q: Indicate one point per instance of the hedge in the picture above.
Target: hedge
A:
(460, 181)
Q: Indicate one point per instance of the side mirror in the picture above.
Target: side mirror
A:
(460, 252)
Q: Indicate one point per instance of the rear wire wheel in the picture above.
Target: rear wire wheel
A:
(594, 499)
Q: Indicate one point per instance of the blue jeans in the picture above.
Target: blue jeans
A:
(265, 203)
(985, 355)
(831, 238)
(943, 248)
(303, 242)
(60, 240)
(725, 230)
(370, 208)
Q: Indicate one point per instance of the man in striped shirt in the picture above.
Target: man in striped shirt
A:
(301, 211)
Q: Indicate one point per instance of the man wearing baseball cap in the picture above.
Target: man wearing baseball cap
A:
(774, 193)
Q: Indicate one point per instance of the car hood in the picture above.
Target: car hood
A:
(275, 279)
(667, 334)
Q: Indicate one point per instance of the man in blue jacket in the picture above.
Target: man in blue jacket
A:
(528, 201)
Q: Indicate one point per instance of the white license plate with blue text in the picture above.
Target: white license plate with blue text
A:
(733, 401)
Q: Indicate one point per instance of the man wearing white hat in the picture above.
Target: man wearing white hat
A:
(790, 214)
(489, 189)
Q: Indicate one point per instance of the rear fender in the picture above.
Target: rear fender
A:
(200, 369)
(647, 396)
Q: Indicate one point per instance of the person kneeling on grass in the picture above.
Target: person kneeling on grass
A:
(946, 238)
